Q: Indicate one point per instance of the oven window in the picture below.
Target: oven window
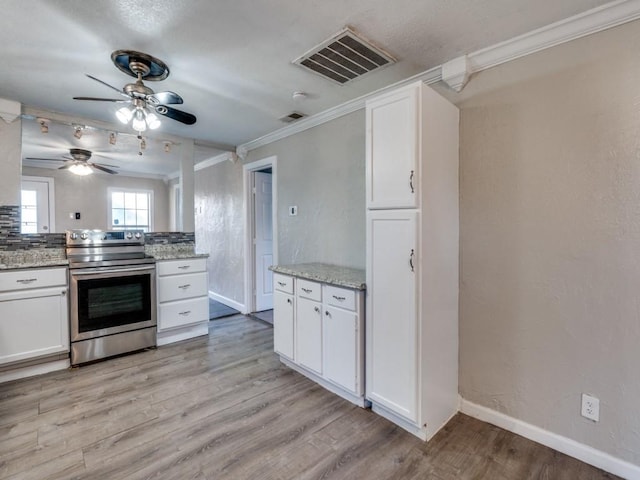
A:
(112, 302)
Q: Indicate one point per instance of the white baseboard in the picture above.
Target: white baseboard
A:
(183, 333)
(562, 444)
(228, 302)
(32, 370)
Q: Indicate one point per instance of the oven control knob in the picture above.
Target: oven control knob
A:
(129, 235)
(104, 236)
(73, 236)
(138, 235)
(84, 236)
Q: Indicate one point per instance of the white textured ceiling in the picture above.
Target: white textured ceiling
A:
(231, 60)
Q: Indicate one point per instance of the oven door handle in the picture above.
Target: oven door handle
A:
(93, 271)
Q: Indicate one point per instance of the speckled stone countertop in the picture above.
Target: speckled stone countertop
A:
(322, 272)
(34, 258)
(173, 251)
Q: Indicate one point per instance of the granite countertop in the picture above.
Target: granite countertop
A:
(325, 273)
(173, 251)
(35, 258)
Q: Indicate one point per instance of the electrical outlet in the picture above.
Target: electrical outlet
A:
(590, 407)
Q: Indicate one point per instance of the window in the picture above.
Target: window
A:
(130, 209)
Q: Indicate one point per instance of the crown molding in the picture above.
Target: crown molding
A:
(592, 21)
(209, 162)
(586, 23)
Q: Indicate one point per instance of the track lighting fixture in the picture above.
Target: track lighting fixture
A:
(167, 147)
(44, 125)
(78, 132)
(112, 138)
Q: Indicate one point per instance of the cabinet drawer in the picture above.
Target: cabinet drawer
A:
(179, 287)
(340, 297)
(183, 312)
(185, 265)
(310, 290)
(283, 283)
(32, 278)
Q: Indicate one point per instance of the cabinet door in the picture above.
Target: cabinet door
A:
(283, 311)
(309, 334)
(341, 347)
(392, 150)
(33, 324)
(392, 324)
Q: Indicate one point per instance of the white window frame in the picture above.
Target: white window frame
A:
(111, 190)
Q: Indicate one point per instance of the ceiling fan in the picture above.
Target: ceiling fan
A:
(143, 102)
(79, 162)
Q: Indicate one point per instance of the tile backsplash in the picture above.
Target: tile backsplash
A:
(12, 239)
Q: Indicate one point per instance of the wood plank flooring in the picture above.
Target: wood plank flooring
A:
(223, 407)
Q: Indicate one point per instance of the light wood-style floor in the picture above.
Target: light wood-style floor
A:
(223, 407)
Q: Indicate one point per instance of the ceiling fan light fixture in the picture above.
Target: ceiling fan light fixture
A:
(124, 115)
(138, 123)
(80, 169)
(152, 120)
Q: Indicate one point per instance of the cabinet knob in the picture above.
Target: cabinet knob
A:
(326, 312)
(317, 309)
(289, 301)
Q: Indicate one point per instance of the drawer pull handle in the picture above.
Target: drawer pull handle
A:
(411, 181)
(27, 280)
(289, 301)
(317, 309)
(185, 313)
(340, 299)
(282, 284)
(185, 286)
(184, 267)
(411, 260)
(306, 290)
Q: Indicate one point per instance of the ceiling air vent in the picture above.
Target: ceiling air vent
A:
(344, 57)
(292, 117)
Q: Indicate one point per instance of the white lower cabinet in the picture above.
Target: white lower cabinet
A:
(34, 318)
(318, 332)
(183, 301)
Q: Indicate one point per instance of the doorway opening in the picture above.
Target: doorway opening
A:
(37, 205)
(260, 181)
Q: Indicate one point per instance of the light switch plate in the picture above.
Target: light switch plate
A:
(293, 211)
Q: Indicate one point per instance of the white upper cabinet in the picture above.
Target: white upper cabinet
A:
(392, 167)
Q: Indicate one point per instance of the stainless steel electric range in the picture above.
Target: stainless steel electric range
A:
(112, 294)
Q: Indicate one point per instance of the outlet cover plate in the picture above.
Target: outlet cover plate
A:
(590, 407)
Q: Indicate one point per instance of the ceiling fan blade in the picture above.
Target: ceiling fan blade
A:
(175, 114)
(99, 167)
(102, 99)
(64, 167)
(159, 98)
(45, 159)
(107, 85)
(107, 165)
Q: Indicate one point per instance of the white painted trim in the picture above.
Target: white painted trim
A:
(152, 208)
(592, 21)
(562, 444)
(33, 370)
(249, 273)
(51, 194)
(228, 302)
(183, 333)
(209, 162)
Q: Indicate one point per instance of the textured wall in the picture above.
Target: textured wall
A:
(10, 148)
(88, 195)
(219, 227)
(321, 170)
(550, 239)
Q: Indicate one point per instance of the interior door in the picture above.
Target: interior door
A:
(263, 240)
(35, 211)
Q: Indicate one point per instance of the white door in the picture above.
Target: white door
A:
(35, 209)
(263, 241)
(392, 324)
(309, 334)
(283, 326)
(340, 336)
(392, 150)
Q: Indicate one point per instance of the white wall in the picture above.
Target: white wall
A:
(10, 148)
(550, 239)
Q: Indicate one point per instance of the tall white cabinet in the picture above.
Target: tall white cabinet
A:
(412, 258)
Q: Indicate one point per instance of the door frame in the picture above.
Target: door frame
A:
(249, 224)
(52, 197)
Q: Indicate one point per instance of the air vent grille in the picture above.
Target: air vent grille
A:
(344, 57)
(292, 117)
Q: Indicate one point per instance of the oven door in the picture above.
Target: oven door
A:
(109, 300)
